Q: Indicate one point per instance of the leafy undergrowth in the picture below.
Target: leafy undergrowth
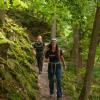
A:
(72, 83)
(18, 79)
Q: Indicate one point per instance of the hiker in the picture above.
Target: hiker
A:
(54, 56)
(39, 52)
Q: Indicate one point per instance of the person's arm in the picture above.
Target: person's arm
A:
(63, 60)
(44, 48)
(34, 52)
(46, 56)
(43, 45)
(34, 49)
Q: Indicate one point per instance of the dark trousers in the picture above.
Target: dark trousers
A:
(52, 70)
(39, 62)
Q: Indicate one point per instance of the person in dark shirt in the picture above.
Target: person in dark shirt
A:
(54, 56)
(39, 51)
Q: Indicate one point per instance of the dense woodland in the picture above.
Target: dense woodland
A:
(77, 27)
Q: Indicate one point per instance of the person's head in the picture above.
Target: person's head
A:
(39, 38)
(53, 45)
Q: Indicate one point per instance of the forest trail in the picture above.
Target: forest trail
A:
(43, 84)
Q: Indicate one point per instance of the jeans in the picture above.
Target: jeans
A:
(40, 62)
(54, 69)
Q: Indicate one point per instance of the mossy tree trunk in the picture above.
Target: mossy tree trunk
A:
(76, 45)
(2, 16)
(2, 12)
(54, 27)
(84, 95)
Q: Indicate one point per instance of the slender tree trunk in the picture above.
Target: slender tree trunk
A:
(91, 57)
(54, 27)
(1, 17)
(2, 13)
(77, 52)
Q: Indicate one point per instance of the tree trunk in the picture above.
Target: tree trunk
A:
(53, 28)
(2, 16)
(2, 13)
(91, 57)
(77, 52)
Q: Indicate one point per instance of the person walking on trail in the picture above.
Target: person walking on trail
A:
(39, 52)
(54, 56)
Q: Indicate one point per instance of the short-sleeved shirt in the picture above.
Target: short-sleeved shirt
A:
(53, 56)
(39, 47)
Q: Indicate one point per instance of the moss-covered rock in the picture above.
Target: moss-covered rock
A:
(18, 79)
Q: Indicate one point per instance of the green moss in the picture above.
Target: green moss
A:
(14, 96)
(19, 81)
(72, 83)
(4, 40)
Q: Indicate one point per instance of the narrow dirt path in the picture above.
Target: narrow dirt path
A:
(43, 85)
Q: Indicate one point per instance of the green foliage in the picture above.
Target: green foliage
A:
(98, 3)
(34, 14)
(19, 4)
(14, 96)
(1, 4)
(72, 83)
(19, 80)
(69, 84)
(4, 40)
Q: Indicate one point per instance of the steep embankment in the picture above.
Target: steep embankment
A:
(18, 80)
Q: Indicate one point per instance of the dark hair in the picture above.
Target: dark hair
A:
(57, 49)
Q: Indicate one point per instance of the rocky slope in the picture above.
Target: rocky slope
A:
(18, 80)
